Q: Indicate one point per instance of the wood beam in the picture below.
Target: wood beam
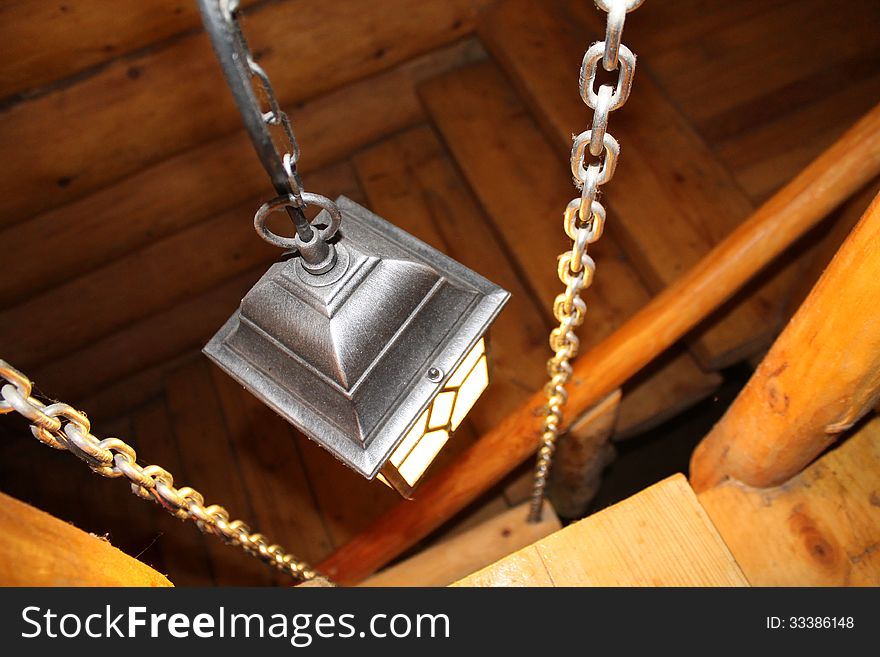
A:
(835, 175)
(819, 378)
(37, 549)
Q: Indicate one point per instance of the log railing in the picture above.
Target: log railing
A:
(840, 171)
(819, 378)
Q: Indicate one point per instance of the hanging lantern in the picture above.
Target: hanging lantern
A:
(366, 339)
(378, 358)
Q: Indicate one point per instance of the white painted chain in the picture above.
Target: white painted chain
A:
(583, 221)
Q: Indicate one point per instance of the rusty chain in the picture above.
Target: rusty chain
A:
(63, 427)
(583, 221)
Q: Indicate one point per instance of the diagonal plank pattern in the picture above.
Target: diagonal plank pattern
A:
(524, 187)
(671, 201)
(659, 537)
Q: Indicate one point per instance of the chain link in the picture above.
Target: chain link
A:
(63, 427)
(281, 155)
(583, 221)
(275, 116)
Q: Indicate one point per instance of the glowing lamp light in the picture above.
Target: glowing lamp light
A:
(378, 359)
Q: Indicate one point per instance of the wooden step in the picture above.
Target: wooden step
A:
(455, 557)
(821, 528)
(38, 549)
(658, 537)
(671, 201)
(524, 187)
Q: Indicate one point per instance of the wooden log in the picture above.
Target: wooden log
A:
(162, 199)
(581, 455)
(819, 378)
(458, 556)
(822, 252)
(46, 41)
(37, 549)
(659, 537)
(818, 529)
(850, 163)
(141, 110)
(487, 127)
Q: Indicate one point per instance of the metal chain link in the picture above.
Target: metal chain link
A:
(275, 116)
(63, 427)
(279, 156)
(583, 221)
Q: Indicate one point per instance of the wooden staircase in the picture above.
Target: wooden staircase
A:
(454, 122)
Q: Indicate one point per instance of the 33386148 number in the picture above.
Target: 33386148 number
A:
(820, 622)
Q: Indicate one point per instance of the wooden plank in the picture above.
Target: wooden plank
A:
(46, 41)
(348, 503)
(159, 200)
(521, 569)
(500, 149)
(796, 44)
(818, 529)
(768, 155)
(134, 350)
(410, 180)
(659, 537)
(819, 378)
(453, 558)
(210, 465)
(792, 212)
(183, 548)
(272, 472)
(476, 514)
(671, 201)
(762, 115)
(663, 26)
(37, 549)
(581, 455)
(135, 112)
(160, 275)
(130, 392)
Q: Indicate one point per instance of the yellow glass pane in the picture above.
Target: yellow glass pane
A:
(411, 439)
(470, 391)
(421, 456)
(382, 478)
(441, 410)
(467, 364)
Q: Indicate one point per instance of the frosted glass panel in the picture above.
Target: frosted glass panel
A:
(470, 391)
(421, 456)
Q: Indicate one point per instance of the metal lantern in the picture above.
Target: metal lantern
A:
(366, 339)
(377, 359)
